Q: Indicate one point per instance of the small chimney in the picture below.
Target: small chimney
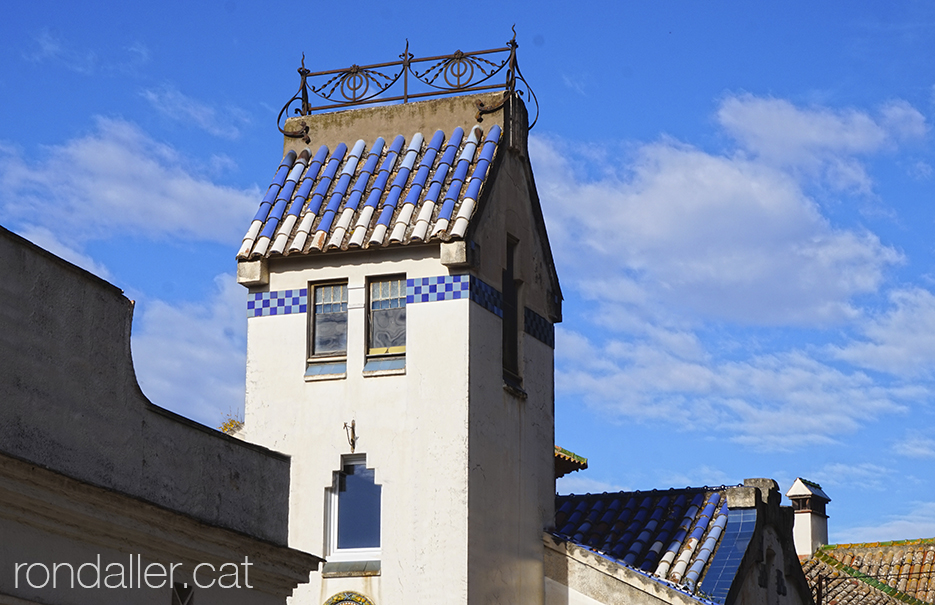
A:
(811, 522)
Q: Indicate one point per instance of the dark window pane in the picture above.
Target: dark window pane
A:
(358, 508)
(510, 316)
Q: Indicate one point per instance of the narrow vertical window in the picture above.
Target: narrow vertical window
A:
(355, 511)
(510, 316)
(328, 324)
(387, 316)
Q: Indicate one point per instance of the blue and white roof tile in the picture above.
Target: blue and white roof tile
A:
(672, 536)
(372, 195)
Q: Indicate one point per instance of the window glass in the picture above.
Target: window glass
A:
(329, 323)
(510, 316)
(387, 316)
(358, 508)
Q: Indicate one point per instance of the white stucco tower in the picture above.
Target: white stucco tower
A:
(401, 305)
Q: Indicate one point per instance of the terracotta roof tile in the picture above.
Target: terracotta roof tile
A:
(877, 572)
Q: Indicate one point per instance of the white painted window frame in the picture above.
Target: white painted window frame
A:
(331, 520)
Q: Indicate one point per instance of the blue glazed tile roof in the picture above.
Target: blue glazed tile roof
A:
(372, 195)
(672, 535)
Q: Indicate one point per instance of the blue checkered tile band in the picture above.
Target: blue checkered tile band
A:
(453, 287)
(487, 297)
(432, 289)
(538, 327)
(283, 302)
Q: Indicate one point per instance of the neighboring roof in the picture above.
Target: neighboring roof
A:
(568, 462)
(874, 573)
(804, 487)
(375, 194)
(684, 537)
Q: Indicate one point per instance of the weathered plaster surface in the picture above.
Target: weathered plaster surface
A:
(770, 572)
(390, 120)
(71, 403)
(49, 519)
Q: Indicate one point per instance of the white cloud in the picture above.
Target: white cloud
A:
(117, 181)
(903, 121)
(723, 237)
(915, 445)
(900, 341)
(817, 139)
(191, 357)
(767, 402)
(181, 108)
(44, 238)
(863, 476)
(918, 522)
(684, 257)
(52, 48)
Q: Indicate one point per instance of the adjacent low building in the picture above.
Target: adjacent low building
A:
(873, 573)
(727, 544)
(105, 497)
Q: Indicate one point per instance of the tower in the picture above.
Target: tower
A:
(401, 305)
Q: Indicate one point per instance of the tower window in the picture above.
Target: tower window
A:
(387, 316)
(510, 317)
(355, 511)
(328, 324)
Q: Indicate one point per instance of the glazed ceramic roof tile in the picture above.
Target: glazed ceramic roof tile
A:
(568, 462)
(875, 573)
(314, 203)
(671, 534)
(805, 488)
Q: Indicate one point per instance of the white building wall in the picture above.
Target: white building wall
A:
(412, 428)
(512, 473)
(809, 532)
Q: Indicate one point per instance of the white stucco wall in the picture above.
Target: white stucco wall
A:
(412, 428)
(810, 531)
(511, 472)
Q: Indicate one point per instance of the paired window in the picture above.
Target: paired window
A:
(385, 331)
(355, 503)
(387, 317)
(329, 320)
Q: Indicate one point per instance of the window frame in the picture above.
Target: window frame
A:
(390, 361)
(511, 325)
(311, 355)
(332, 495)
(325, 365)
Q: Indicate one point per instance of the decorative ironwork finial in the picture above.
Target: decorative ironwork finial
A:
(459, 72)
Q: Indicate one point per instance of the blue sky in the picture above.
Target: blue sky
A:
(740, 202)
